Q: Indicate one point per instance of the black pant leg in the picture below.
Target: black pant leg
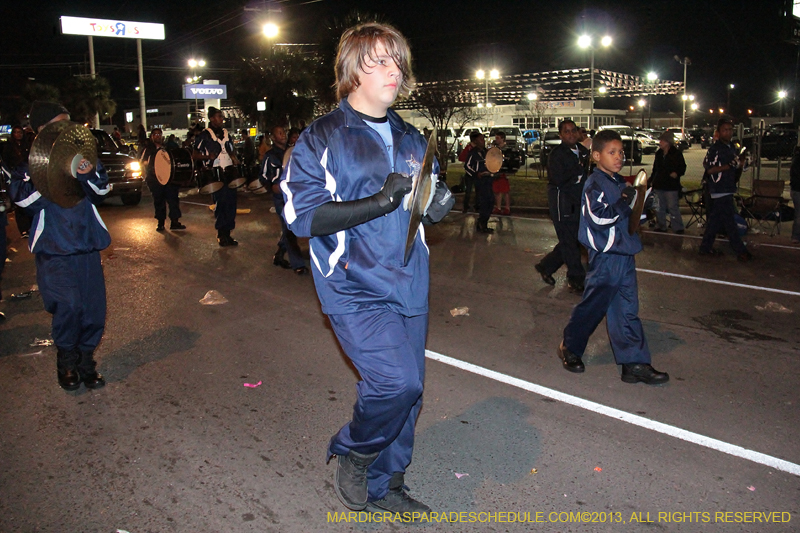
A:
(567, 232)
(159, 203)
(171, 196)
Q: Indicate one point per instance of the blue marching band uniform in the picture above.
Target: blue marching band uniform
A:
(377, 305)
(221, 147)
(67, 243)
(271, 170)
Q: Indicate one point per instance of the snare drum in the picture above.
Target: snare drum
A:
(210, 180)
(174, 166)
(234, 177)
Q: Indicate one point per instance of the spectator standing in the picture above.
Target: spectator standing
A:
(500, 185)
(668, 167)
(263, 147)
(469, 178)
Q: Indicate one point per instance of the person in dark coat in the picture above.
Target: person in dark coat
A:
(15, 153)
(668, 168)
(794, 185)
(163, 195)
(567, 168)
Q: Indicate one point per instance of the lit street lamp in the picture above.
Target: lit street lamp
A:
(194, 64)
(731, 86)
(781, 96)
(481, 75)
(585, 41)
(652, 77)
(270, 30)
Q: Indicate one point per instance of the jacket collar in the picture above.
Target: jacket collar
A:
(352, 120)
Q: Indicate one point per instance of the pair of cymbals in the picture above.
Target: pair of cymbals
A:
(54, 158)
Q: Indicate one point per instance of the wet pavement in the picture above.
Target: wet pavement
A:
(175, 442)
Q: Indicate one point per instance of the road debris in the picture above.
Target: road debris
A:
(460, 311)
(213, 297)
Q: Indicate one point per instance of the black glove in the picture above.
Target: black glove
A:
(628, 194)
(333, 217)
(394, 189)
(443, 201)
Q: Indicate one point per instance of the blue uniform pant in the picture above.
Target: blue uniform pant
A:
(611, 291)
(388, 350)
(288, 241)
(74, 292)
(225, 212)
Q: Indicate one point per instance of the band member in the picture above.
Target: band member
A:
(567, 171)
(214, 148)
(67, 244)
(344, 185)
(163, 195)
(475, 167)
(271, 170)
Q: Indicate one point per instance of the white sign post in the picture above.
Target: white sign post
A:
(120, 29)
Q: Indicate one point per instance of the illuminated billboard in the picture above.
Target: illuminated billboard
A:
(111, 28)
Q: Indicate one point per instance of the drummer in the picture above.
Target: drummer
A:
(476, 167)
(163, 195)
(214, 149)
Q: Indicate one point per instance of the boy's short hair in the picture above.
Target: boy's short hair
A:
(212, 111)
(474, 135)
(501, 134)
(359, 42)
(724, 121)
(564, 123)
(603, 138)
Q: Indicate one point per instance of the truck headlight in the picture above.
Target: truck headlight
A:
(135, 168)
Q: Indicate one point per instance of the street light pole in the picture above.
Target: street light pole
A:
(586, 42)
(685, 62)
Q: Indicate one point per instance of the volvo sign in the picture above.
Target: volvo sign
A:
(205, 92)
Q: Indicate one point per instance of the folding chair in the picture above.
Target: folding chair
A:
(697, 207)
(764, 207)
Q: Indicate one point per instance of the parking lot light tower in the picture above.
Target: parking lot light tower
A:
(642, 103)
(652, 78)
(685, 62)
(585, 41)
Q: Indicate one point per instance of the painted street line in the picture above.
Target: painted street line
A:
(719, 282)
(666, 429)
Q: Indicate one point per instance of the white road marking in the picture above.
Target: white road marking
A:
(719, 282)
(666, 429)
(196, 203)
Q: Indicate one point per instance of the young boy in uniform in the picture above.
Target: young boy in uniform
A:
(611, 289)
(343, 187)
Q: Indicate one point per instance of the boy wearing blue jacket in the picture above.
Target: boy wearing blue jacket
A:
(343, 187)
(67, 244)
(611, 289)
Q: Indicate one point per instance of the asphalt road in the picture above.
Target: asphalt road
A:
(175, 442)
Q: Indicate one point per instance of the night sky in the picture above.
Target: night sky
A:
(728, 42)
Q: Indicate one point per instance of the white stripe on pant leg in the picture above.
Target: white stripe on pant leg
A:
(666, 429)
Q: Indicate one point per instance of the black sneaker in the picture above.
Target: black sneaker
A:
(575, 285)
(279, 261)
(711, 252)
(644, 373)
(397, 500)
(570, 361)
(547, 278)
(160, 227)
(350, 479)
(745, 256)
(176, 226)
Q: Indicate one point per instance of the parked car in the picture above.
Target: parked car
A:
(682, 139)
(463, 139)
(633, 148)
(532, 138)
(779, 141)
(649, 143)
(125, 173)
(549, 140)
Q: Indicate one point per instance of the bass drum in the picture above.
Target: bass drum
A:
(210, 180)
(174, 166)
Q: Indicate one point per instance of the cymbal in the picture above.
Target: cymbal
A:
(421, 194)
(53, 159)
(494, 159)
